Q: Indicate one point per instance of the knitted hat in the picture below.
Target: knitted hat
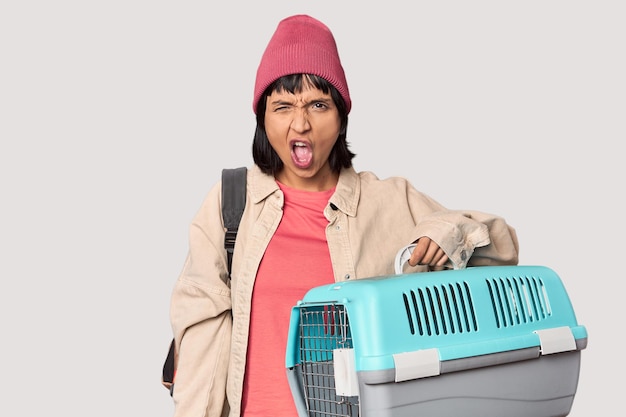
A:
(301, 44)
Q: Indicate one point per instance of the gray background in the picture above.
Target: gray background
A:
(116, 118)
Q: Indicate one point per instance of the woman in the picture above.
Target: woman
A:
(310, 219)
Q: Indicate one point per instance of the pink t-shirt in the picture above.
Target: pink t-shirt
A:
(296, 260)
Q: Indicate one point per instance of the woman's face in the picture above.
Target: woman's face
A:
(303, 128)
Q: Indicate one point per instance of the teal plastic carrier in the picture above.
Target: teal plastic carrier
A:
(483, 341)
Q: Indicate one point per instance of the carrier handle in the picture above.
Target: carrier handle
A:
(403, 256)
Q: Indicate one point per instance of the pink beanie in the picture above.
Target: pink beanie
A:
(301, 44)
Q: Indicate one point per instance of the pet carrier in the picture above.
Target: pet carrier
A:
(486, 341)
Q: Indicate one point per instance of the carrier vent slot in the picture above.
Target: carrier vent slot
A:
(323, 329)
(518, 300)
(440, 310)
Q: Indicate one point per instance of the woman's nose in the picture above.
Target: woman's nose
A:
(300, 122)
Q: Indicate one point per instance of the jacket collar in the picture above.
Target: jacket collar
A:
(345, 198)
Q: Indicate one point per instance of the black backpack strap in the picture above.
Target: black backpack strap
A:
(233, 204)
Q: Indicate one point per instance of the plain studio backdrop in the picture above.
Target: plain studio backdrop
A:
(117, 117)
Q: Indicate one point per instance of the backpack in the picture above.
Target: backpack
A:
(233, 203)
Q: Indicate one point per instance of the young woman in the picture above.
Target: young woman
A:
(310, 219)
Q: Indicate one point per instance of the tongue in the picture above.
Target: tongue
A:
(302, 156)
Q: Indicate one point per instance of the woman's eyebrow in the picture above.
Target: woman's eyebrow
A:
(281, 102)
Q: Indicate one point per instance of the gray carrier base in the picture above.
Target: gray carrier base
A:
(523, 384)
(541, 387)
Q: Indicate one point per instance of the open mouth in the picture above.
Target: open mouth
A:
(301, 154)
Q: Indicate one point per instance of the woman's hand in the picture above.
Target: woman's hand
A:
(427, 252)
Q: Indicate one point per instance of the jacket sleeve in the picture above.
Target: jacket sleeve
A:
(201, 318)
(467, 237)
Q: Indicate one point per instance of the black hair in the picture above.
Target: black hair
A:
(266, 157)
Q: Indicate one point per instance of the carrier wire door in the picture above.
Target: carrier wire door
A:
(324, 333)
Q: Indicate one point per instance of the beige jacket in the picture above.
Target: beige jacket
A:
(369, 221)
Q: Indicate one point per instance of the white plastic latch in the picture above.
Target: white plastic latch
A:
(346, 380)
(416, 364)
(556, 340)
